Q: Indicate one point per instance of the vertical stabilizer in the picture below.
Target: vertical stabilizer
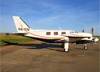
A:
(21, 26)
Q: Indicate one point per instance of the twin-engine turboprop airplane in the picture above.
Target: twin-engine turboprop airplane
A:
(54, 36)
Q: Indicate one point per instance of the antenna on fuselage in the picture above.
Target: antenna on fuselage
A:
(60, 28)
(92, 30)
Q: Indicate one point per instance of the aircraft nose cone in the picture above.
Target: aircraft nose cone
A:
(96, 39)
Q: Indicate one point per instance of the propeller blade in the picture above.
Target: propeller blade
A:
(94, 39)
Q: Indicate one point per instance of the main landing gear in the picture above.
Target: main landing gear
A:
(65, 46)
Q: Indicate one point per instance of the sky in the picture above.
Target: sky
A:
(51, 14)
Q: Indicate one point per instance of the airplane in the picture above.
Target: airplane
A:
(54, 36)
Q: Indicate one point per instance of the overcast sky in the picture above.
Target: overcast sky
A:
(51, 14)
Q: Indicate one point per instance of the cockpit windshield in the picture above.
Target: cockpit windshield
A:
(73, 32)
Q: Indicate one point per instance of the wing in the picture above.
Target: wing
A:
(76, 38)
(72, 39)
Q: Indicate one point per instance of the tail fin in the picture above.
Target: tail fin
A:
(21, 26)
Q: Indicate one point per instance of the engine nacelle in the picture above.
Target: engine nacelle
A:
(83, 41)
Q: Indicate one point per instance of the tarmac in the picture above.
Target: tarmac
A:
(37, 56)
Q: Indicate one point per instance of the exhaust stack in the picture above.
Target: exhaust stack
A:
(92, 31)
(83, 30)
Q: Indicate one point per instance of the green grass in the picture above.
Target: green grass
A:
(12, 39)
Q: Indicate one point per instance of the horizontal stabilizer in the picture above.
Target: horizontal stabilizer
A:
(23, 34)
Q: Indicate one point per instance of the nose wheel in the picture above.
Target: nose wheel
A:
(86, 46)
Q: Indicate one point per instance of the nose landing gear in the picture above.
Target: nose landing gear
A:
(86, 46)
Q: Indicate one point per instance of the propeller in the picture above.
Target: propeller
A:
(95, 40)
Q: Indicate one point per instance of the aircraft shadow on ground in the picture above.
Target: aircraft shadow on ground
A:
(44, 45)
(37, 46)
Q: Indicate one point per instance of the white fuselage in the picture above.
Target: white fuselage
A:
(57, 34)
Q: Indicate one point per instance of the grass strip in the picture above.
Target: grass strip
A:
(9, 39)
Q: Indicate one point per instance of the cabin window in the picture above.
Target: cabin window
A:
(63, 33)
(48, 33)
(55, 33)
(20, 29)
(72, 32)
